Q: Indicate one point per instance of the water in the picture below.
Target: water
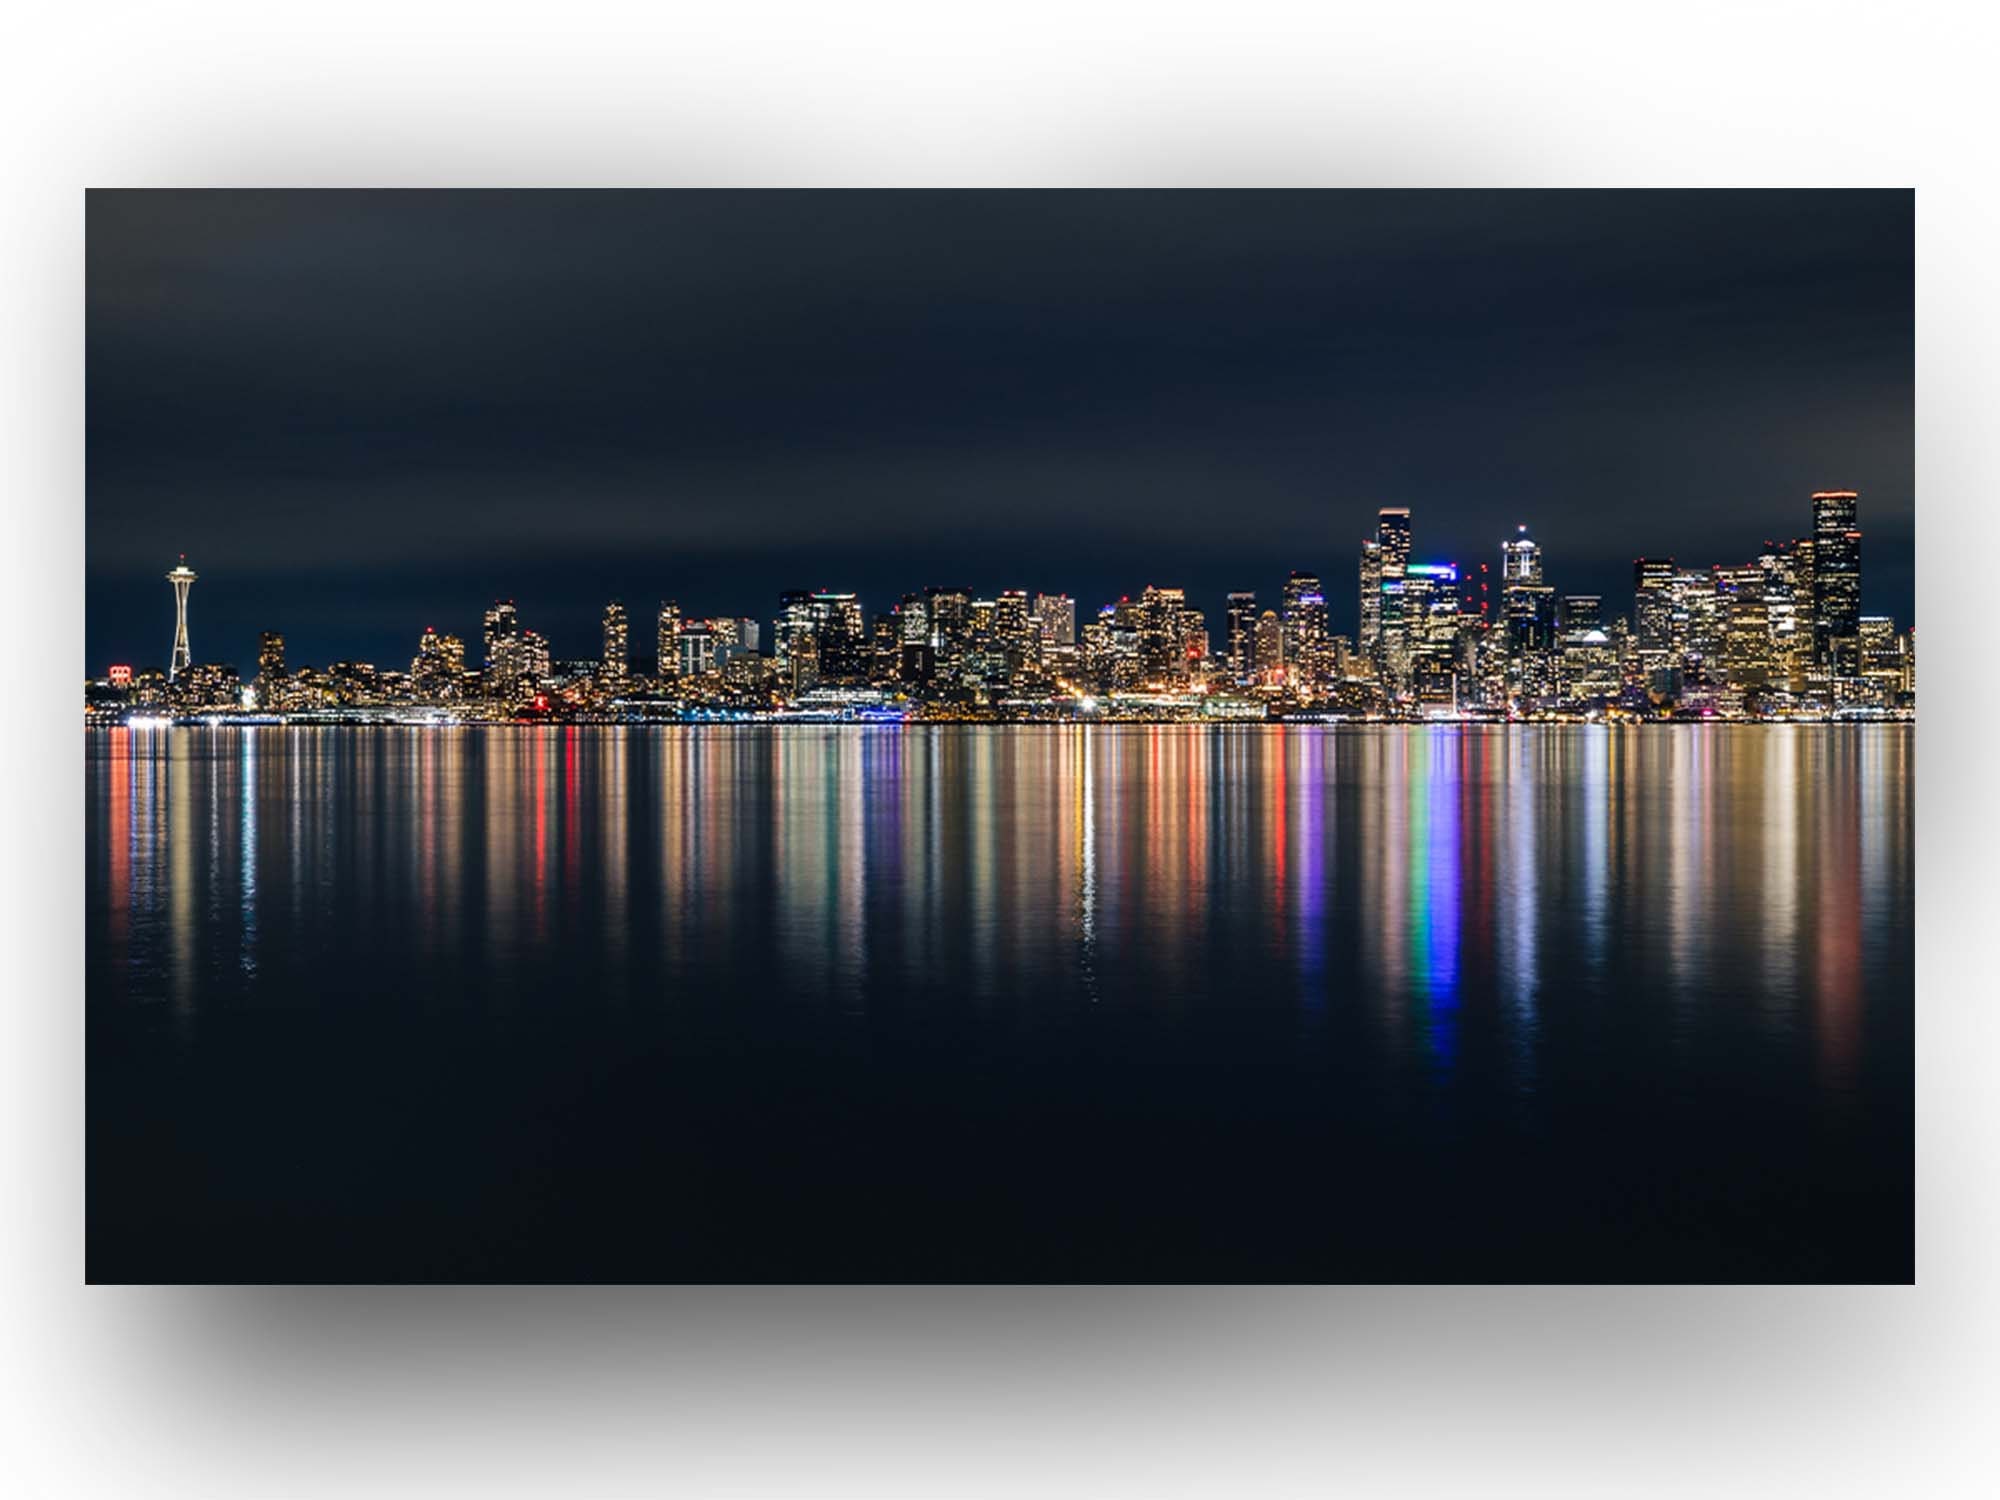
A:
(1145, 1003)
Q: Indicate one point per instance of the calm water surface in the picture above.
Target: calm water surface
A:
(1540, 1003)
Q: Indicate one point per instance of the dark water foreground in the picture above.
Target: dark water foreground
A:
(1175, 1003)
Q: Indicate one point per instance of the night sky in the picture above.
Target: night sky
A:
(359, 414)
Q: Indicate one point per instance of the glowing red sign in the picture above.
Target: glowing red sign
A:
(121, 676)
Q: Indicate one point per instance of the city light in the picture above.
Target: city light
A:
(1778, 638)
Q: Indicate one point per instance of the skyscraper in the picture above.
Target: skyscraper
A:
(1653, 613)
(1240, 635)
(1836, 565)
(617, 656)
(504, 663)
(1307, 640)
(668, 659)
(270, 670)
(1055, 615)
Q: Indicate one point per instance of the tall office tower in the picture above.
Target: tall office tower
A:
(1430, 609)
(1788, 614)
(695, 645)
(1391, 646)
(1836, 568)
(1194, 641)
(1653, 613)
(182, 578)
(1270, 648)
(1369, 635)
(1520, 559)
(667, 657)
(885, 648)
(1016, 633)
(1055, 617)
(1162, 644)
(504, 662)
(842, 636)
(270, 670)
(1881, 655)
(950, 614)
(617, 644)
(535, 659)
(1529, 616)
(437, 673)
(1306, 634)
(917, 658)
(1746, 628)
(1239, 617)
(795, 624)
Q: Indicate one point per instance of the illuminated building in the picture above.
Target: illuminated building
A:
(1589, 674)
(1269, 651)
(210, 686)
(1836, 581)
(1055, 617)
(1430, 627)
(1580, 612)
(1528, 616)
(1307, 639)
(271, 670)
(1239, 617)
(534, 659)
(842, 637)
(437, 672)
(1370, 633)
(617, 653)
(667, 655)
(1016, 634)
(1653, 608)
(182, 578)
(1788, 614)
(119, 676)
(1389, 644)
(506, 660)
(1163, 647)
(948, 612)
(1746, 630)
(1884, 662)
(695, 647)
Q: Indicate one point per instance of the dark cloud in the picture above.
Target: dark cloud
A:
(360, 413)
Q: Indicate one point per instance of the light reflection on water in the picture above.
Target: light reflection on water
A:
(1440, 898)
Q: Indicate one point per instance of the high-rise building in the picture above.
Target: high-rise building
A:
(1368, 637)
(1016, 633)
(1391, 644)
(1163, 655)
(437, 674)
(1431, 625)
(270, 670)
(667, 654)
(1836, 569)
(1653, 613)
(1055, 617)
(617, 652)
(505, 662)
(1240, 635)
(1270, 648)
(1307, 639)
(1528, 614)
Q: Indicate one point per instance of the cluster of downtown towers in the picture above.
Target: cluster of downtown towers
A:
(1780, 635)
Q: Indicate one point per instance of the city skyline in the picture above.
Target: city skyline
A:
(1782, 635)
(571, 397)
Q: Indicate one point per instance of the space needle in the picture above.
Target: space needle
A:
(182, 578)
